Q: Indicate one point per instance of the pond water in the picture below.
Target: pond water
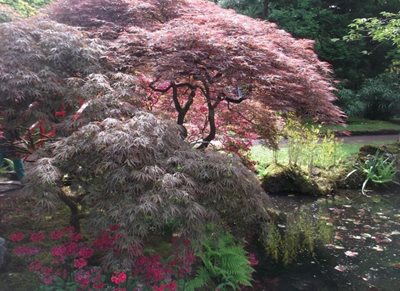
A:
(364, 253)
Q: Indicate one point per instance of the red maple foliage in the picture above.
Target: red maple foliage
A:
(208, 67)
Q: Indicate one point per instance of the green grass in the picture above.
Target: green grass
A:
(365, 125)
(264, 156)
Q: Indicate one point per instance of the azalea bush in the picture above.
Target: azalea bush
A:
(64, 260)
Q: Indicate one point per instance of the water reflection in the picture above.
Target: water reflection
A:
(364, 253)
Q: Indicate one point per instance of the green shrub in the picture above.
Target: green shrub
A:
(381, 96)
(350, 103)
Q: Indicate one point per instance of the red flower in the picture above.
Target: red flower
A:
(47, 271)
(58, 251)
(80, 263)
(38, 236)
(99, 285)
(56, 234)
(118, 278)
(35, 266)
(71, 248)
(172, 286)
(158, 288)
(60, 113)
(17, 236)
(103, 241)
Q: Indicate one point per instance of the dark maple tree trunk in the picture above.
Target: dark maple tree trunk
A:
(265, 11)
(75, 216)
(211, 118)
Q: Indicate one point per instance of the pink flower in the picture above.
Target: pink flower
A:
(80, 263)
(37, 236)
(56, 234)
(17, 236)
(58, 251)
(118, 278)
(82, 278)
(71, 248)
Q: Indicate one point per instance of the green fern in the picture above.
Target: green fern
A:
(200, 281)
(224, 262)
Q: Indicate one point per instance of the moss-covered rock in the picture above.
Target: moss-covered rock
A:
(291, 179)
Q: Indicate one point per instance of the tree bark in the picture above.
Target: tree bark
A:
(265, 10)
(183, 111)
(74, 219)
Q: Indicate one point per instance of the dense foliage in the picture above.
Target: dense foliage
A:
(139, 174)
(44, 55)
(193, 67)
(65, 260)
(327, 22)
(26, 7)
(381, 96)
(382, 29)
(56, 70)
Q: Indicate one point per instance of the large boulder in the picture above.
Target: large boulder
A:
(283, 180)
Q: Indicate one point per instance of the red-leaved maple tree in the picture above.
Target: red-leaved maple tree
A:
(212, 69)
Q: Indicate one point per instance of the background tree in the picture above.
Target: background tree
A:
(326, 22)
(234, 70)
(383, 30)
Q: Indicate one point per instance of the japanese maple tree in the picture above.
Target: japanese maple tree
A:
(37, 59)
(211, 68)
(47, 71)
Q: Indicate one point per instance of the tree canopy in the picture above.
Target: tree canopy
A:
(211, 68)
